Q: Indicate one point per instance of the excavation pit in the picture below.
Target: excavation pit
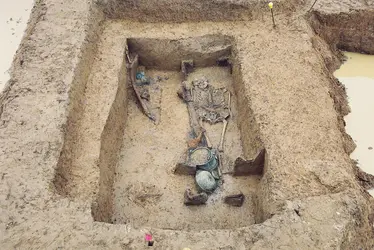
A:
(141, 188)
(74, 58)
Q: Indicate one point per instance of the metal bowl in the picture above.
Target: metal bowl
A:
(205, 181)
(203, 158)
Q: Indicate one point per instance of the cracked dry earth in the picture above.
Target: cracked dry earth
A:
(77, 151)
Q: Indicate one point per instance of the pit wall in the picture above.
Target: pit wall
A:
(111, 143)
(248, 126)
(352, 32)
(249, 131)
(190, 10)
(332, 60)
(166, 54)
(76, 104)
(349, 32)
(81, 173)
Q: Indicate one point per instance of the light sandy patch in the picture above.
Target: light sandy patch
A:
(13, 19)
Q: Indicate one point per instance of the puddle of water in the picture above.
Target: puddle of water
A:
(357, 75)
(13, 20)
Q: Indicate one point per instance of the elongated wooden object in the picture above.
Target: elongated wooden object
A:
(132, 67)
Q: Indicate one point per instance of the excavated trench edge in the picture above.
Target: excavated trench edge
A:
(344, 32)
(76, 106)
(178, 11)
(321, 24)
(111, 144)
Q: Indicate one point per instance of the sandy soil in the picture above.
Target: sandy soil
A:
(147, 192)
(307, 198)
(79, 160)
(13, 19)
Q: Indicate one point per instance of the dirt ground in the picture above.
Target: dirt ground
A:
(146, 190)
(61, 128)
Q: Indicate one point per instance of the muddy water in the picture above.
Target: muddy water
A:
(357, 74)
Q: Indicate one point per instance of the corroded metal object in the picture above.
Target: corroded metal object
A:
(235, 200)
(205, 181)
(132, 65)
(244, 167)
(194, 199)
(203, 158)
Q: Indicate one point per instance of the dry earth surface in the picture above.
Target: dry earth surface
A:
(13, 21)
(75, 147)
